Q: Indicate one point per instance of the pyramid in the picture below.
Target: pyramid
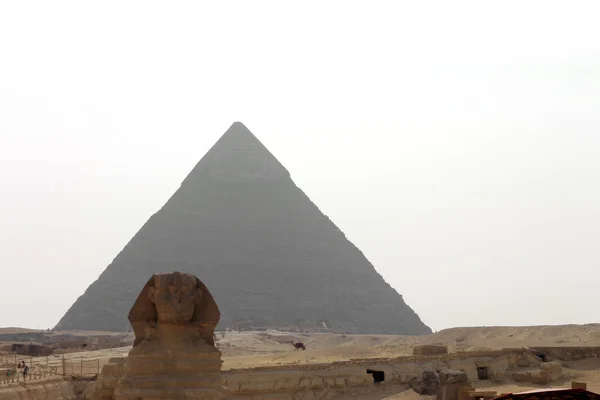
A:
(270, 257)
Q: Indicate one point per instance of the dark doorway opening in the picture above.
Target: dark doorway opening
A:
(482, 373)
(378, 376)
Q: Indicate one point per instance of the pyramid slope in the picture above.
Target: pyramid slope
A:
(264, 249)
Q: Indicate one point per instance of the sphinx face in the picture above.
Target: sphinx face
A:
(174, 297)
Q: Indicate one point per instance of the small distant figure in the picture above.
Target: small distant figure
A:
(25, 371)
(19, 366)
(298, 346)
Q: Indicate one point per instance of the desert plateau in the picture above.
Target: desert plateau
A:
(272, 350)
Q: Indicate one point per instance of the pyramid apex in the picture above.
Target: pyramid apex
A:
(238, 127)
(238, 155)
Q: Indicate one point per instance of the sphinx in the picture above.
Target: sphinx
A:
(173, 355)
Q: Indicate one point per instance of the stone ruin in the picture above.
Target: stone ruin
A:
(430, 350)
(173, 356)
(33, 350)
(445, 385)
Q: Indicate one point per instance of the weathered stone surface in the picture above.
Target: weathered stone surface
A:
(173, 356)
(427, 385)
(547, 373)
(450, 383)
(105, 385)
(447, 377)
(552, 367)
(266, 251)
(536, 376)
(443, 383)
(429, 349)
(48, 390)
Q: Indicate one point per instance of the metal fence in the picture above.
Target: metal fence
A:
(50, 367)
(83, 366)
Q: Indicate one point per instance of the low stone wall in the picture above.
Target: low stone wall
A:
(429, 349)
(44, 390)
(419, 359)
(340, 377)
(568, 353)
(547, 373)
(324, 381)
(293, 383)
(316, 381)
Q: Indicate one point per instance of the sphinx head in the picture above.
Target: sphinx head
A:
(175, 299)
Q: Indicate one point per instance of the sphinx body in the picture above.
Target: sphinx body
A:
(173, 356)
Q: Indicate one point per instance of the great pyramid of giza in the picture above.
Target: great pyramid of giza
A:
(269, 256)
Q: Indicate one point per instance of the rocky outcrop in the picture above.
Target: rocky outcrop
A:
(106, 384)
(426, 385)
(49, 390)
(565, 353)
(265, 249)
(548, 372)
(173, 356)
(450, 384)
(450, 377)
(444, 384)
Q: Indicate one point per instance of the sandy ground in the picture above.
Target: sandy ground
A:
(582, 371)
(251, 349)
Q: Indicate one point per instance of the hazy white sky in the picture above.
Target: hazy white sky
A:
(455, 143)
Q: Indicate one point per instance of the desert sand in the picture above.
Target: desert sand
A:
(273, 348)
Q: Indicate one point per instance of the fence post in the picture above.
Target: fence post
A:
(82, 365)
(98, 367)
(64, 365)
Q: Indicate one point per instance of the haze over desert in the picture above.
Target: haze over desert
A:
(264, 349)
(267, 200)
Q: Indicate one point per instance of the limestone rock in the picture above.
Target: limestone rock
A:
(536, 376)
(105, 385)
(553, 369)
(429, 349)
(548, 372)
(173, 356)
(264, 248)
(427, 385)
(445, 383)
(448, 377)
(450, 383)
